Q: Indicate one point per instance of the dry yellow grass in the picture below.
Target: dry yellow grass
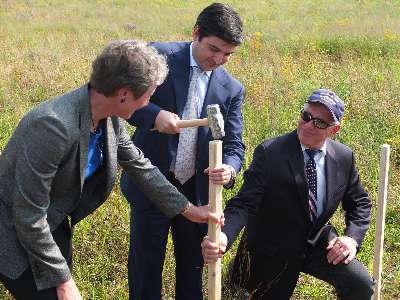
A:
(291, 48)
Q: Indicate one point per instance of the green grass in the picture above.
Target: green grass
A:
(291, 48)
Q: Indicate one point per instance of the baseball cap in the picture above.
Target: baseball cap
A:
(330, 100)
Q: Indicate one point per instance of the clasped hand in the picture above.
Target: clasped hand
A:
(212, 251)
(220, 175)
(341, 249)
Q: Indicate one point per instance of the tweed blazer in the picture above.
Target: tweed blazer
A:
(42, 182)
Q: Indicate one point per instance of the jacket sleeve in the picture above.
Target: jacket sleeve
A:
(145, 117)
(148, 177)
(41, 145)
(249, 198)
(357, 206)
(233, 146)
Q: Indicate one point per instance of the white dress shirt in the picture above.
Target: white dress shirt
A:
(202, 82)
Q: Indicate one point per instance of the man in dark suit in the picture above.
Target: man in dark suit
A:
(196, 79)
(290, 192)
(61, 164)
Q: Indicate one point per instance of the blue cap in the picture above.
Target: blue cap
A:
(330, 100)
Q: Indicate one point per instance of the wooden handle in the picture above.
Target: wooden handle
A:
(380, 219)
(192, 123)
(214, 230)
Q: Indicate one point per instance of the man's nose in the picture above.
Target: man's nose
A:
(219, 58)
(310, 124)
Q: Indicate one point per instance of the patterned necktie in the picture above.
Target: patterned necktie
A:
(186, 153)
(311, 172)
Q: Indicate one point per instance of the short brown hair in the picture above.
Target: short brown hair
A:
(222, 21)
(128, 64)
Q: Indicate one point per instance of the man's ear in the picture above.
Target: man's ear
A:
(195, 33)
(121, 92)
(335, 130)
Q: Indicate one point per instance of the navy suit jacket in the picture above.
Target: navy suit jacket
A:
(160, 148)
(273, 203)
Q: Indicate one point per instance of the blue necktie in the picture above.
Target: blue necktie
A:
(311, 172)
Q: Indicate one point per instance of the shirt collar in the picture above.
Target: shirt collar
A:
(322, 149)
(193, 62)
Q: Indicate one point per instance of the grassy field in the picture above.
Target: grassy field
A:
(291, 48)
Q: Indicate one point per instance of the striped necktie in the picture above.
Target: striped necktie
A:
(311, 172)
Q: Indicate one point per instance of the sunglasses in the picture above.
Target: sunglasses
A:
(320, 124)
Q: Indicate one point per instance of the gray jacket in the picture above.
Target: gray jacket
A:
(42, 182)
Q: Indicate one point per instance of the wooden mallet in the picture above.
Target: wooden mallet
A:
(214, 121)
(380, 219)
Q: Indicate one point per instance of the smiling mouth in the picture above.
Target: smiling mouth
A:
(308, 132)
(212, 66)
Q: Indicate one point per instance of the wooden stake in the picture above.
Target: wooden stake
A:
(214, 230)
(380, 219)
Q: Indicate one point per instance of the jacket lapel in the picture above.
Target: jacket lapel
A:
(111, 150)
(180, 68)
(331, 171)
(320, 229)
(216, 94)
(84, 126)
(331, 175)
(296, 162)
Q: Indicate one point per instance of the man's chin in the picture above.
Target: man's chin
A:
(209, 67)
(306, 141)
(213, 67)
(125, 117)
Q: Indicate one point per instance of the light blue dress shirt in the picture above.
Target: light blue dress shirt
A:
(202, 82)
(321, 176)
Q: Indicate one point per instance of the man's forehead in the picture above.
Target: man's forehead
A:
(320, 109)
(220, 44)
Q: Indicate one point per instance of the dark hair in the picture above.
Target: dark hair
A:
(127, 64)
(222, 21)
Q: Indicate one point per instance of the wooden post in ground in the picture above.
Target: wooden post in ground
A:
(380, 219)
(214, 230)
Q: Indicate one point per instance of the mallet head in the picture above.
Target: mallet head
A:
(215, 121)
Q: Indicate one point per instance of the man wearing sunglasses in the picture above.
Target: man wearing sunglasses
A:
(291, 191)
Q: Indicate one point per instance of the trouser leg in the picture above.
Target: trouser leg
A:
(24, 287)
(148, 239)
(351, 281)
(187, 248)
(189, 260)
(271, 277)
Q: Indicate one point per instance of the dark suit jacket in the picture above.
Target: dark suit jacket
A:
(273, 204)
(171, 96)
(42, 182)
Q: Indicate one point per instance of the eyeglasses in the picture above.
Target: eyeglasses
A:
(320, 124)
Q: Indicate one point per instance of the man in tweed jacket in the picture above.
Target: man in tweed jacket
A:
(61, 164)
